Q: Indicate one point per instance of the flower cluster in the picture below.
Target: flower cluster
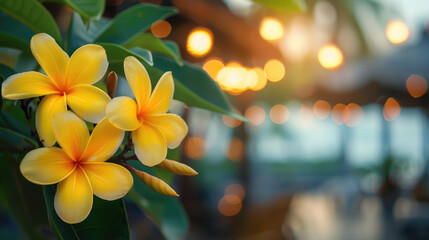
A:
(79, 164)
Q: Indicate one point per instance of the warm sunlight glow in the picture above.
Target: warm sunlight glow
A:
(199, 42)
(274, 70)
(194, 148)
(321, 109)
(229, 205)
(279, 114)
(397, 32)
(255, 114)
(271, 29)
(161, 28)
(416, 85)
(261, 80)
(212, 66)
(391, 109)
(330, 57)
(232, 79)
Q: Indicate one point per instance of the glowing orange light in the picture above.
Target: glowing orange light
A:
(232, 79)
(321, 109)
(356, 114)
(340, 114)
(236, 150)
(397, 32)
(237, 190)
(230, 121)
(416, 85)
(271, 29)
(229, 205)
(161, 28)
(391, 109)
(275, 70)
(279, 114)
(255, 114)
(261, 79)
(330, 57)
(199, 42)
(195, 148)
(212, 66)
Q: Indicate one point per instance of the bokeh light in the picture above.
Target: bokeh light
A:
(321, 109)
(212, 66)
(261, 79)
(255, 114)
(235, 150)
(416, 85)
(199, 42)
(229, 205)
(330, 57)
(340, 114)
(391, 109)
(230, 121)
(279, 114)
(271, 29)
(232, 79)
(194, 148)
(356, 114)
(161, 28)
(236, 189)
(274, 70)
(397, 32)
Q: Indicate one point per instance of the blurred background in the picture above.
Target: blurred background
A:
(336, 93)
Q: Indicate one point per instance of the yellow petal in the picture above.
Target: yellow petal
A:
(87, 65)
(27, 85)
(46, 165)
(73, 199)
(88, 102)
(50, 56)
(109, 181)
(150, 145)
(171, 126)
(177, 168)
(49, 106)
(138, 79)
(71, 133)
(105, 139)
(156, 184)
(162, 95)
(122, 113)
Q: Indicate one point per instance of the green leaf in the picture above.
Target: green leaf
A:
(80, 34)
(14, 142)
(154, 44)
(9, 122)
(284, 5)
(23, 199)
(86, 8)
(145, 54)
(107, 220)
(116, 54)
(132, 21)
(6, 71)
(165, 211)
(33, 14)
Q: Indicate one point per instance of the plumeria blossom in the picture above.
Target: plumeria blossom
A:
(79, 166)
(68, 81)
(153, 129)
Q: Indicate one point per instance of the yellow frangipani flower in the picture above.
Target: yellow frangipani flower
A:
(153, 129)
(79, 166)
(67, 82)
